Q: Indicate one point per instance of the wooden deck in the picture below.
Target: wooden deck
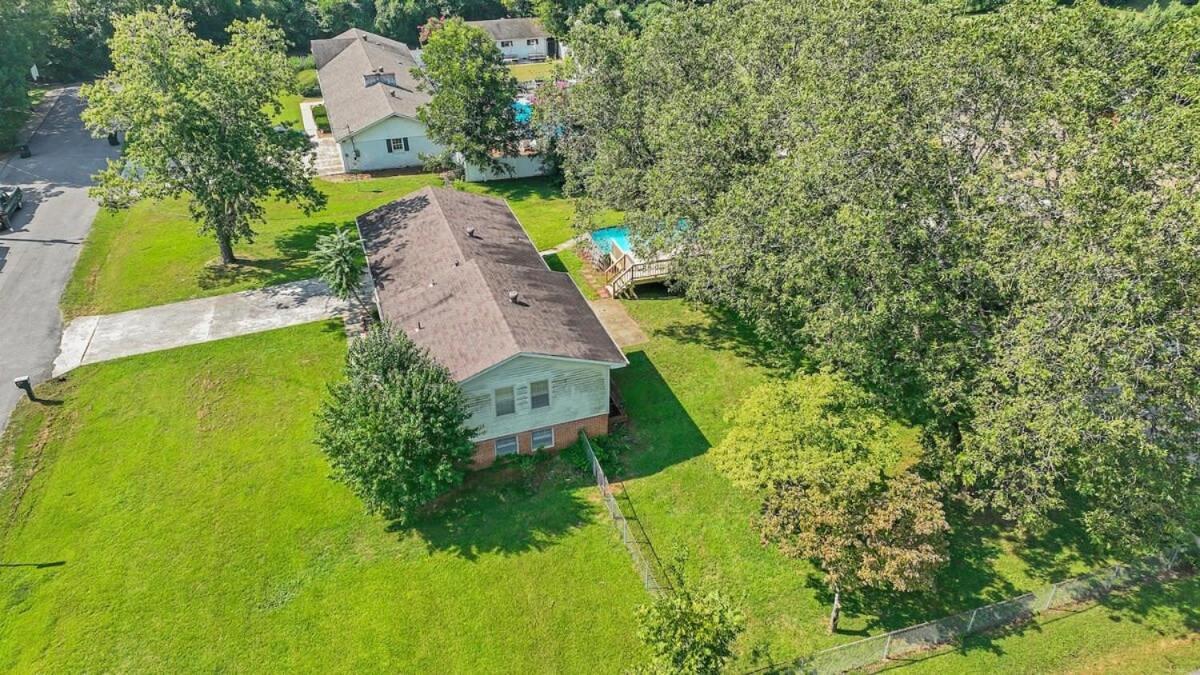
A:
(625, 273)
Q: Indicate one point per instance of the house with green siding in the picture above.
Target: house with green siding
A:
(458, 274)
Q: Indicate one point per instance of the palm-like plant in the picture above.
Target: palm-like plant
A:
(339, 262)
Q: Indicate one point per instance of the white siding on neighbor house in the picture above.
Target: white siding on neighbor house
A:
(522, 167)
(372, 146)
(521, 51)
(578, 390)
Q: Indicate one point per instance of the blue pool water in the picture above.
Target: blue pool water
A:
(609, 237)
(524, 112)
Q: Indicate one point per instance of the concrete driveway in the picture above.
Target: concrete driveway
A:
(37, 256)
(92, 339)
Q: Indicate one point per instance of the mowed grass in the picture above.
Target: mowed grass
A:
(532, 71)
(677, 390)
(179, 518)
(540, 206)
(152, 253)
(1152, 629)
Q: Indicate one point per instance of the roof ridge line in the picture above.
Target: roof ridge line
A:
(433, 191)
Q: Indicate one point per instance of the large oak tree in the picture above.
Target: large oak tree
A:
(197, 123)
(992, 222)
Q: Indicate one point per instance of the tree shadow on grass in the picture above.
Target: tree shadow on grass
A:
(293, 263)
(726, 331)
(496, 513)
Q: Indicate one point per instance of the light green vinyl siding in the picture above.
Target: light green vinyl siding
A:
(578, 390)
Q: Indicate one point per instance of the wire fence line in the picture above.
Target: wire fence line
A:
(1072, 592)
(641, 563)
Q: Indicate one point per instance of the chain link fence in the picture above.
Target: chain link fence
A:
(640, 562)
(1071, 592)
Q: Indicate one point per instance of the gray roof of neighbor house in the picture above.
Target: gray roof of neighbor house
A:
(458, 274)
(343, 64)
(511, 29)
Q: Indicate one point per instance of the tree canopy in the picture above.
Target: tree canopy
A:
(197, 123)
(990, 222)
(394, 429)
(471, 111)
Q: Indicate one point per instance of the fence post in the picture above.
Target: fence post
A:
(971, 623)
(1050, 598)
(887, 647)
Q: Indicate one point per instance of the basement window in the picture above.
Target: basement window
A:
(543, 438)
(506, 445)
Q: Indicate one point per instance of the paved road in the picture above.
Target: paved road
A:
(37, 256)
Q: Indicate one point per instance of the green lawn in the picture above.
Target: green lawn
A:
(321, 118)
(568, 261)
(289, 104)
(151, 253)
(1152, 629)
(180, 519)
(532, 71)
(540, 206)
(677, 388)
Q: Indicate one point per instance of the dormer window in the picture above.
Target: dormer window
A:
(376, 78)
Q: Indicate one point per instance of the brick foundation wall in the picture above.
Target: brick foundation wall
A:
(565, 435)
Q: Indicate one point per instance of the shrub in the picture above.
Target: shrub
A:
(688, 631)
(394, 429)
(307, 84)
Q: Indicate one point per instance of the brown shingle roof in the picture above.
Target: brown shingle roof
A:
(344, 61)
(511, 29)
(449, 288)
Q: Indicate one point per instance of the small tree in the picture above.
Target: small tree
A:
(394, 429)
(688, 631)
(197, 123)
(790, 430)
(861, 529)
(471, 111)
(340, 264)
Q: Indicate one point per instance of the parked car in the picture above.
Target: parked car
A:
(10, 203)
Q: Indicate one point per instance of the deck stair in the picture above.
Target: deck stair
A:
(626, 272)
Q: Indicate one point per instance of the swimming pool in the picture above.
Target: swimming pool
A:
(524, 111)
(605, 239)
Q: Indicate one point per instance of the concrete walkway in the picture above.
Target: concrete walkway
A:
(624, 330)
(327, 158)
(91, 339)
(570, 243)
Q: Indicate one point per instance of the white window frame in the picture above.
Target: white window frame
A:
(533, 436)
(496, 401)
(505, 43)
(397, 144)
(516, 446)
(532, 42)
(533, 406)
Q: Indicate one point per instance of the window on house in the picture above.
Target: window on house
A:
(531, 42)
(397, 144)
(506, 402)
(539, 394)
(543, 438)
(506, 445)
(505, 43)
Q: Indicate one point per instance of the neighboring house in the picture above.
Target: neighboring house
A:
(520, 39)
(458, 274)
(372, 98)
